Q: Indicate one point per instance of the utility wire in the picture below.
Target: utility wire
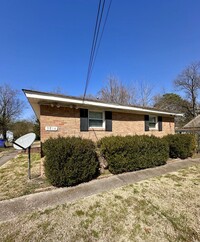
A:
(94, 43)
(100, 37)
(96, 39)
(92, 49)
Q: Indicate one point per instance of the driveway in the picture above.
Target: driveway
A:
(8, 155)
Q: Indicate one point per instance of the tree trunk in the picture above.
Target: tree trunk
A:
(4, 133)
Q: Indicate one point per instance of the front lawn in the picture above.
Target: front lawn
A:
(165, 208)
(14, 177)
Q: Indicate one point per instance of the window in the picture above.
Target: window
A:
(96, 119)
(152, 122)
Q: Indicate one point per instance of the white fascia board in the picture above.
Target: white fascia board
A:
(97, 104)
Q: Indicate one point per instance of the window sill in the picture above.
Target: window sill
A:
(153, 129)
(96, 129)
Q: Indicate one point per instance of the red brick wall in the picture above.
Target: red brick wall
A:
(68, 122)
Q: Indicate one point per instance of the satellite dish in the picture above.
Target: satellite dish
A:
(24, 141)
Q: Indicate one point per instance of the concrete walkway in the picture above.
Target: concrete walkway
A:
(8, 156)
(26, 204)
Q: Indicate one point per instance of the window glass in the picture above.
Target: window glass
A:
(95, 123)
(152, 122)
(95, 119)
(95, 115)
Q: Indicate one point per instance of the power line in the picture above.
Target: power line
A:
(92, 49)
(93, 42)
(93, 53)
(101, 36)
(91, 64)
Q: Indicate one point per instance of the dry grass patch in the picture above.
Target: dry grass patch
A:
(14, 177)
(165, 208)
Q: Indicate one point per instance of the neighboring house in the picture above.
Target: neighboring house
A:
(191, 127)
(94, 119)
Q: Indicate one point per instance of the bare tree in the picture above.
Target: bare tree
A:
(116, 92)
(144, 94)
(10, 107)
(189, 82)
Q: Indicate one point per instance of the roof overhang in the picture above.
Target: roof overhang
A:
(38, 98)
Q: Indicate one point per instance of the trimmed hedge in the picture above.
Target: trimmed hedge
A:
(180, 145)
(131, 153)
(69, 161)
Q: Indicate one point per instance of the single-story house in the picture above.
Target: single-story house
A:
(93, 119)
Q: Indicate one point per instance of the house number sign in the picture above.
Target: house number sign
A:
(51, 128)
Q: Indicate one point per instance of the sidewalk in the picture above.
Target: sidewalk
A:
(26, 204)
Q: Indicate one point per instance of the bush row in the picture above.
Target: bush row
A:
(131, 153)
(70, 161)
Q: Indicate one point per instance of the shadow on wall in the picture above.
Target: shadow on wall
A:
(55, 111)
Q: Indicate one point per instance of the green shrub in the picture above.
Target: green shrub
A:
(131, 153)
(180, 145)
(69, 161)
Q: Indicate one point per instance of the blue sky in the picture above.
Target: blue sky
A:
(45, 44)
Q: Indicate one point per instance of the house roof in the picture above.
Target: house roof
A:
(37, 98)
(193, 124)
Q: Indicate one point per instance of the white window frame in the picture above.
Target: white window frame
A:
(156, 125)
(103, 123)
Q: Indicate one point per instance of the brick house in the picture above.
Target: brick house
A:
(94, 119)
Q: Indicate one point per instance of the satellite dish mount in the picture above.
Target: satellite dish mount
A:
(25, 142)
